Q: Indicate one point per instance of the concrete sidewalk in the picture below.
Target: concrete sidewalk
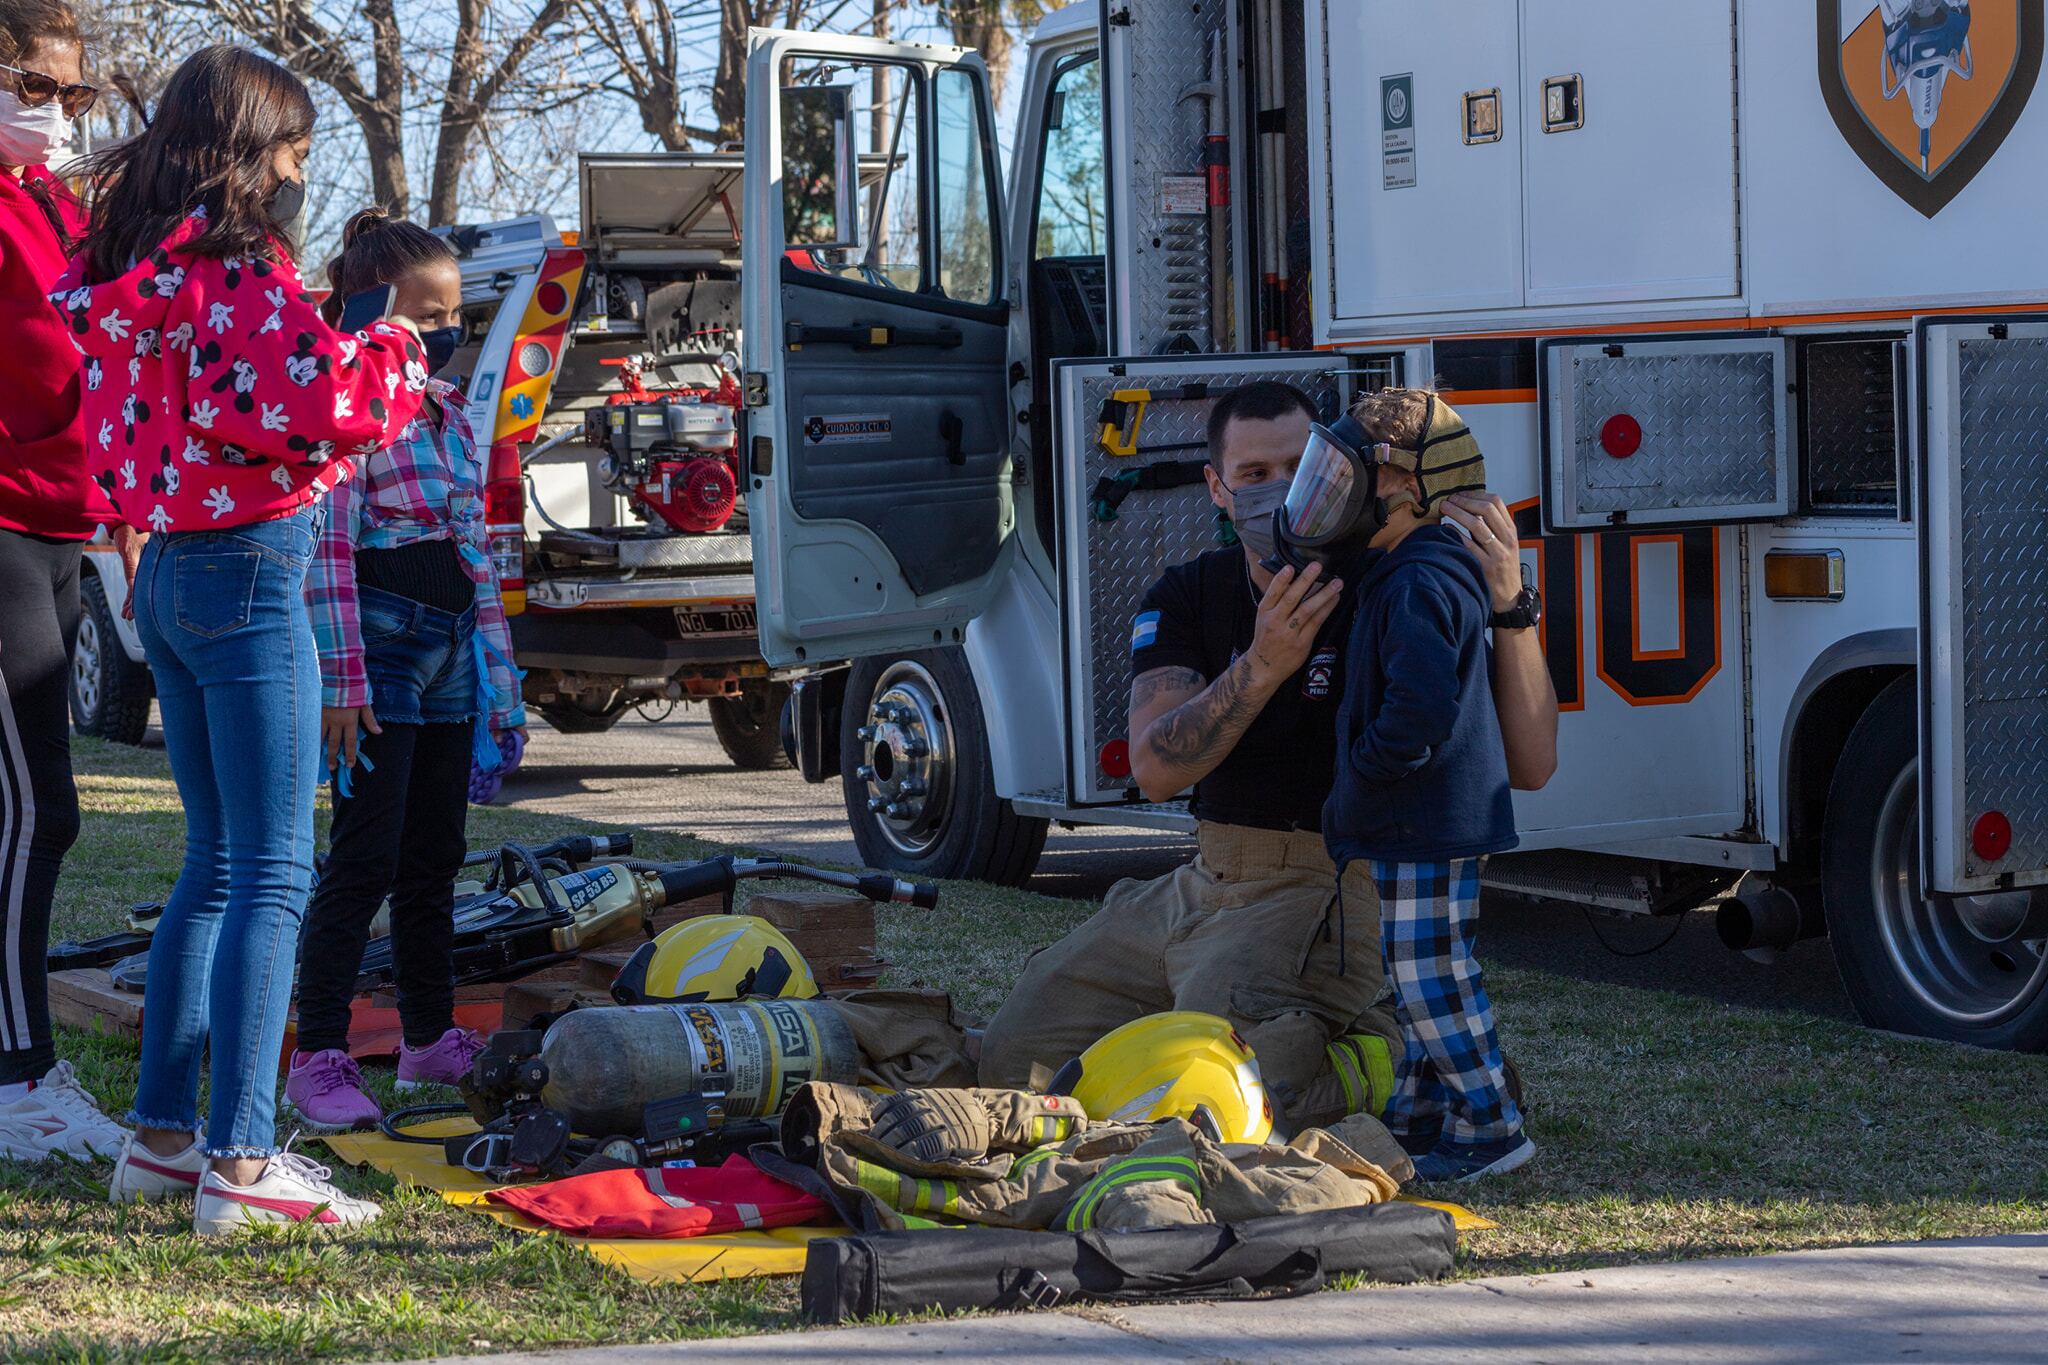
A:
(1984, 1301)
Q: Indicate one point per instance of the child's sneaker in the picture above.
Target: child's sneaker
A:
(1462, 1162)
(56, 1117)
(292, 1189)
(446, 1062)
(326, 1088)
(142, 1174)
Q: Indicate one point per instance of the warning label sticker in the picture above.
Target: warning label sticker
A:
(1397, 132)
(1182, 196)
(847, 429)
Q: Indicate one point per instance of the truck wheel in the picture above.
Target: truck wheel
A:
(913, 759)
(580, 716)
(749, 726)
(110, 692)
(1944, 967)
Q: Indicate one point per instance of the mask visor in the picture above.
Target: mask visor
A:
(1323, 499)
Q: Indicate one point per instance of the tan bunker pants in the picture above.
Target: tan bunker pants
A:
(1248, 931)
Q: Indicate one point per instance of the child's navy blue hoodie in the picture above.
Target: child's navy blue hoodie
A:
(1421, 772)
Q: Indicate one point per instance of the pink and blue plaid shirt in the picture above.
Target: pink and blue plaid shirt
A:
(426, 485)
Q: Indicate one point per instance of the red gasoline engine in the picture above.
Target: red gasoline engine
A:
(672, 452)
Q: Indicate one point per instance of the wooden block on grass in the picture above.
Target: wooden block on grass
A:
(833, 930)
(525, 999)
(86, 998)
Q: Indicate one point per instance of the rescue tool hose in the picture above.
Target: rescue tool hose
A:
(392, 1125)
(718, 876)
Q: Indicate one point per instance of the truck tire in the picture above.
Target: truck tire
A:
(577, 716)
(749, 726)
(1955, 968)
(110, 692)
(914, 764)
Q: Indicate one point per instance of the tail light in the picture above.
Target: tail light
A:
(505, 524)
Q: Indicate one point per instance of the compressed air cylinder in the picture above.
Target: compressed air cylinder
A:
(606, 1065)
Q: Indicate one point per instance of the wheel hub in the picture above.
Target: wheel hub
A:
(1975, 960)
(85, 665)
(907, 743)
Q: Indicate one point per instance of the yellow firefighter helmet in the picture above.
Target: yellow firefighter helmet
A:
(714, 957)
(1170, 1066)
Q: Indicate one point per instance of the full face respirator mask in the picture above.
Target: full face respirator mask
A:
(1335, 506)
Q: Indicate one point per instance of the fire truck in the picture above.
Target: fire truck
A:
(1739, 297)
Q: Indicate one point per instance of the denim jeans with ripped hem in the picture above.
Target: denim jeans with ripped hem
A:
(223, 621)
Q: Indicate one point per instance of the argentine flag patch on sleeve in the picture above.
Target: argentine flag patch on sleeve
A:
(1144, 630)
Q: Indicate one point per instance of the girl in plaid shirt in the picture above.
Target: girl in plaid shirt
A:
(416, 676)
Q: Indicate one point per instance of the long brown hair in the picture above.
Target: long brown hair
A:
(208, 146)
(24, 24)
(378, 249)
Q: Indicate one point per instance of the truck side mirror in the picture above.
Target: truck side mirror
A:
(820, 208)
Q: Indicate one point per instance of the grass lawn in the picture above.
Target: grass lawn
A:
(1671, 1126)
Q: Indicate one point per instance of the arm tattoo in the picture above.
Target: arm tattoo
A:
(1201, 729)
(1148, 686)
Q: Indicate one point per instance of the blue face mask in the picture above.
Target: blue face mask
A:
(439, 346)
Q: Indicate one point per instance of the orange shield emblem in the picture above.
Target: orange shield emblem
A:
(1926, 90)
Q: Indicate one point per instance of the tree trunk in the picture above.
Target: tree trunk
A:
(729, 89)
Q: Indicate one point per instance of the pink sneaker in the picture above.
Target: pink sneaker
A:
(445, 1063)
(326, 1088)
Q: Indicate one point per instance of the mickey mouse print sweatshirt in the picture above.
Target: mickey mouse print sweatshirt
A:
(214, 395)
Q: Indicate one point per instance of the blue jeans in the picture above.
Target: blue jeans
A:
(421, 662)
(224, 623)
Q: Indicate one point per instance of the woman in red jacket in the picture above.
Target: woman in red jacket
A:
(47, 509)
(218, 410)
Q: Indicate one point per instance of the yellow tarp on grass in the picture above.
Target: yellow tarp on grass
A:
(778, 1251)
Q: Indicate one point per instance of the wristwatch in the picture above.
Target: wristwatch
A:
(1527, 611)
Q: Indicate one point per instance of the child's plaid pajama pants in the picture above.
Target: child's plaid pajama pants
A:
(1451, 1068)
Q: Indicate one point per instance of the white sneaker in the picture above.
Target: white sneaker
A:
(142, 1174)
(292, 1189)
(57, 1117)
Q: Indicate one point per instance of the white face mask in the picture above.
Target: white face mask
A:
(29, 136)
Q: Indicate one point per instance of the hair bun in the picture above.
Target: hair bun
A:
(363, 222)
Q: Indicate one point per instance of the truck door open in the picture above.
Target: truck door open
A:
(875, 319)
(1983, 405)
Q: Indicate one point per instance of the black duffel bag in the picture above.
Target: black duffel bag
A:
(848, 1278)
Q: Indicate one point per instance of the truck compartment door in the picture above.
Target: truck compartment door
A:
(1686, 432)
(1983, 500)
(1169, 78)
(1112, 419)
(875, 323)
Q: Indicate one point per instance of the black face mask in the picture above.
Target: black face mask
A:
(440, 345)
(286, 207)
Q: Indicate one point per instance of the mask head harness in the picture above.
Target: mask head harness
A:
(1334, 506)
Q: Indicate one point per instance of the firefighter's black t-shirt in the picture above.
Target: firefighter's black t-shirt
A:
(1202, 616)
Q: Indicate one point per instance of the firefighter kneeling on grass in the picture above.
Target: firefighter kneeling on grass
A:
(1236, 695)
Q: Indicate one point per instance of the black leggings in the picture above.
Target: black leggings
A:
(401, 834)
(38, 800)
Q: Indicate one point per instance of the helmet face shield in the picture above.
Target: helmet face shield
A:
(1322, 502)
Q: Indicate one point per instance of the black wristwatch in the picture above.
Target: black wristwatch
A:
(1527, 611)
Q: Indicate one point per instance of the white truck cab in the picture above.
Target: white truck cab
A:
(1757, 348)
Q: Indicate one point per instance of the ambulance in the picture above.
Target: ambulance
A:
(1744, 299)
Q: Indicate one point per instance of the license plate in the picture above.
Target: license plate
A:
(733, 620)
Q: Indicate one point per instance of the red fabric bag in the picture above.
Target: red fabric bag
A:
(689, 1201)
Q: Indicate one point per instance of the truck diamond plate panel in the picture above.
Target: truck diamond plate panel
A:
(1707, 424)
(2002, 491)
(1682, 432)
(1111, 564)
(1167, 289)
